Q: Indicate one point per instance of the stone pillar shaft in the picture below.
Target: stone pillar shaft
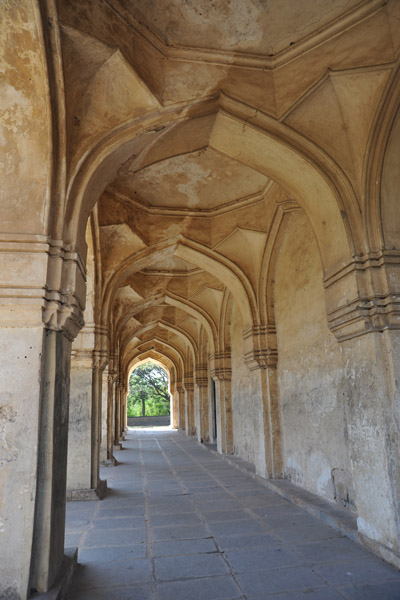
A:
(48, 535)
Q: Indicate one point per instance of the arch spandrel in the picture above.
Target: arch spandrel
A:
(286, 157)
(197, 254)
(333, 212)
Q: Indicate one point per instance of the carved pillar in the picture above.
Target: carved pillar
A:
(181, 405)
(83, 479)
(260, 355)
(201, 403)
(117, 415)
(111, 381)
(80, 421)
(62, 318)
(174, 405)
(222, 373)
(104, 410)
(189, 404)
(123, 424)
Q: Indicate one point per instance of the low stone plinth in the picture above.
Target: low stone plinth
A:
(89, 493)
(60, 589)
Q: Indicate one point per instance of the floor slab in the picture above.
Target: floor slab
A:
(182, 523)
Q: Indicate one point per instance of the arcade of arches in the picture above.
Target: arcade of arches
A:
(214, 186)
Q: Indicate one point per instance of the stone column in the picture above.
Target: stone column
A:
(261, 359)
(174, 405)
(222, 373)
(34, 384)
(83, 480)
(124, 416)
(189, 404)
(111, 384)
(122, 410)
(181, 405)
(62, 316)
(201, 403)
(104, 409)
(117, 415)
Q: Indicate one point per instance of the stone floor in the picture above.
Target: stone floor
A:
(180, 523)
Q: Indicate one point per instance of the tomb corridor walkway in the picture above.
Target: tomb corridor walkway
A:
(181, 523)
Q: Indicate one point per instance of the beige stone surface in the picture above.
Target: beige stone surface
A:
(212, 186)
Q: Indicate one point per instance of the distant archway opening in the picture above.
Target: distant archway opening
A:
(149, 398)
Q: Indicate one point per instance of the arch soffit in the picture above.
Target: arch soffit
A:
(248, 136)
(178, 331)
(197, 254)
(374, 161)
(167, 361)
(265, 292)
(176, 301)
(163, 347)
(140, 361)
(224, 329)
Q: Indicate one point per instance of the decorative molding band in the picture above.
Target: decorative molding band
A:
(363, 296)
(246, 59)
(221, 366)
(260, 350)
(190, 212)
(179, 386)
(100, 359)
(365, 315)
(188, 383)
(360, 264)
(201, 375)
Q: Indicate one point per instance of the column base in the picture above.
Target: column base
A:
(109, 462)
(117, 446)
(89, 493)
(60, 588)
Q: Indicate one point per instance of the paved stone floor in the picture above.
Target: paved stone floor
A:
(180, 523)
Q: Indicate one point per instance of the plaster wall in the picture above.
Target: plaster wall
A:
(242, 393)
(310, 366)
(24, 120)
(373, 435)
(19, 422)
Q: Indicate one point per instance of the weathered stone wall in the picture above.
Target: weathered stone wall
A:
(24, 195)
(242, 393)
(310, 367)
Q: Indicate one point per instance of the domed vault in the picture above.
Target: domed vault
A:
(213, 186)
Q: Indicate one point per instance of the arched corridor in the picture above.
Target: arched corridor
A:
(181, 523)
(211, 186)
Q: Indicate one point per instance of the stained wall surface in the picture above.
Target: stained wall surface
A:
(310, 367)
(217, 191)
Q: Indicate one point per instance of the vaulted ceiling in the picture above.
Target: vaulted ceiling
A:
(185, 216)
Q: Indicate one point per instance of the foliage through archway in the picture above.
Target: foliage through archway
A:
(148, 391)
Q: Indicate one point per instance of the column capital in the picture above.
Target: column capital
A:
(65, 290)
(42, 283)
(363, 296)
(201, 375)
(188, 382)
(179, 386)
(260, 349)
(221, 366)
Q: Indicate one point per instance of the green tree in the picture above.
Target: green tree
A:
(148, 391)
